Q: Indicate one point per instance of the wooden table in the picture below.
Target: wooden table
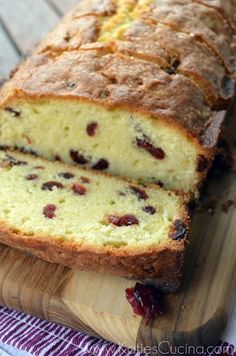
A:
(23, 23)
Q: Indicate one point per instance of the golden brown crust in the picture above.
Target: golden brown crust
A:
(227, 9)
(164, 264)
(113, 80)
(192, 18)
(95, 7)
(179, 53)
(71, 33)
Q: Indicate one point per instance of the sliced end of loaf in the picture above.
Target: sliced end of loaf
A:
(91, 221)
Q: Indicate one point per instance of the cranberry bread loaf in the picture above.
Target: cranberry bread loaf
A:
(81, 218)
(131, 87)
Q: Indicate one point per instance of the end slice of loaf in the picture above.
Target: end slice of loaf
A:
(91, 221)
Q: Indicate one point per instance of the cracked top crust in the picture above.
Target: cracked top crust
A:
(98, 8)
(113, 80)
(169, 59)
(192, 18)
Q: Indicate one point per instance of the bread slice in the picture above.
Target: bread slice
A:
(92, 221)
(112, 113)
(129, 87)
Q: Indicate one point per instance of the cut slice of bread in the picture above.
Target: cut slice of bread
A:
(114, 113)
(131, 87)
(88, 220)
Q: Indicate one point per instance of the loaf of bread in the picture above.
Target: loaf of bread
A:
(90, 220)
(135, 88)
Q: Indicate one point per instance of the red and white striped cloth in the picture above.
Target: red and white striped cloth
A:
(42, 338)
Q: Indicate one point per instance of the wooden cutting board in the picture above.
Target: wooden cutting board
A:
(95, 303)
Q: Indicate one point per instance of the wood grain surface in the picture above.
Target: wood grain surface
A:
(95, 303)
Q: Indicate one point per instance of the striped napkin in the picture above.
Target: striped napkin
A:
(41, 338)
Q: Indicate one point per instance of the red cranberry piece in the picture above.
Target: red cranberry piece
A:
(84, 179)
(125, 220)
(149, 209)
(145, 144)
(146, 301)
(58, 158)
(91, 128)
(66, 175)
(31, 177)
(140, 193)
(78, 157)
(49, 211)
(79, 189)
(202, 163)
(180, 230)
(51, 184)
(67, 37)
(101, 165)
(13, 112)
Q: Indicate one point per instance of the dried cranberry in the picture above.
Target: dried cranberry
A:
(91, 128)
(125, 220)
(78, 157)
(101, 165)
(159, 182)
(180, 230)
(84, 179)
(13, 112)
(14, 162)
(140, 193)
(79, 189)
(51, 184)
(67, 37)
(49, 211)
(145, 144)
(202, 163)
(58, 158)
(66, 175)
(146, 301)
(31, 177)
(149, 209)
